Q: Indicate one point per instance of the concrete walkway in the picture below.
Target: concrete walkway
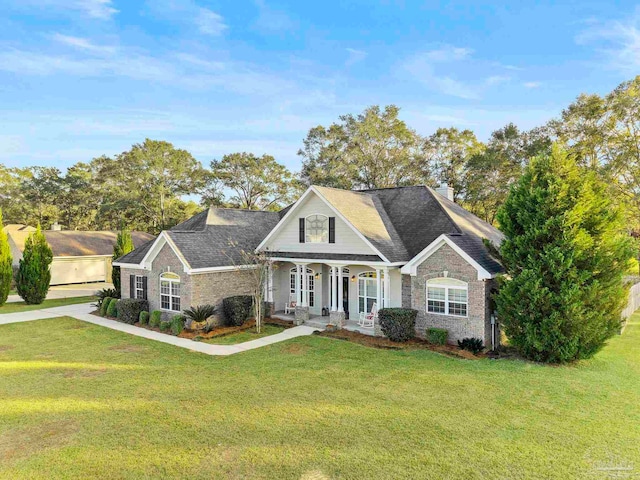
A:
(82, 312)
(68, 291)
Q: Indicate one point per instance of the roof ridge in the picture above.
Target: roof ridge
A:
(444, 210)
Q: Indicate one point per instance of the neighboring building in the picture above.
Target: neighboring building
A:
(78, 257)
(334, 250)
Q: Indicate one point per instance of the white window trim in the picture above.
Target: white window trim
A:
(306, 227)
(311, 273)
(140, 295)
(171, 296)
(446, 298)
(367, 280)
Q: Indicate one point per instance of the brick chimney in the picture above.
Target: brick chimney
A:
(445, 190)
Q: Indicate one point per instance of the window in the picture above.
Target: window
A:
(170, 292)
(312, 286)
(139, 288)
(317, 229)
(368, 291)
(447, 296)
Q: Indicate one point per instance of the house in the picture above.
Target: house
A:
(78, 256)
(335, 252)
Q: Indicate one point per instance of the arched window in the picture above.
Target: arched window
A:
(170, 292)
(312, 285)
(367, 291)
(447, 296)
(317, 229)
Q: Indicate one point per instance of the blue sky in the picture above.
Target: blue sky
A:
(82, 78)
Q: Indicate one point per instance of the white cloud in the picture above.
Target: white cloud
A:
(209, 22)
(496, 80)
(82, 44)
(355, 56)
(421, 66)
(271, 20)
(100, 9)
(617, 41)
(531, 84)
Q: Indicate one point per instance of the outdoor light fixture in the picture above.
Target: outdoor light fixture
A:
(317, 276)
(353, 278)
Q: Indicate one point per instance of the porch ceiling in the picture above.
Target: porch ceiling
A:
(345, 257)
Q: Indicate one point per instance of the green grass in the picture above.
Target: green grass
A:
(15, 307)
(81, 401)
(245, 335)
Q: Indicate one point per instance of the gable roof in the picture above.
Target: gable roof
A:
(398, 223)
(214, 237)
(75, 243)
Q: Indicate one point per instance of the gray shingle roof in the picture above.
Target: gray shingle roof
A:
(399, 222)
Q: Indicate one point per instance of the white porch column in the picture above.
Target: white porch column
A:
(379, 287)
(340, 290)
(270, 283)
(333, 285)
(298, 286)
(387, 288)
(305, 283)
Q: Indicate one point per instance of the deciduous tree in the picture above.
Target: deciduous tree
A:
(123, 245)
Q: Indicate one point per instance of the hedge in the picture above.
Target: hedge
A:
(165, 326)
(237, 309)
(437, 336)
(112, 308)
(143, 318)
(155, 318)
(104, 305)
(398, 324)
(177, 324)
(129, 309)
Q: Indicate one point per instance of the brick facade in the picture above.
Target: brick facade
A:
(199, 289)
(478, 321)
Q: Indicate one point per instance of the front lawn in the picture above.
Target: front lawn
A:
(14, 307)
(81, 401)
(245, 335)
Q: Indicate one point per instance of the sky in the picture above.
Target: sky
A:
(84, 78)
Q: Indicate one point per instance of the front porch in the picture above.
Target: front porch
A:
(318, 321)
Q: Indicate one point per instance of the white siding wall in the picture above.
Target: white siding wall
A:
(287, 238)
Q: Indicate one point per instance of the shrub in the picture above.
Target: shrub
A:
(237, 309)
(398, 324)
(34, 275)
(6, 268)
(177, 324)
(112, 308)
(144, 317)
(437, 336)
(129, 309)
(101, 295)
(105, 304)
(565, 251)
(474, 345)
(165, 326)
(123, 245)
(199, 314)
(155, 318)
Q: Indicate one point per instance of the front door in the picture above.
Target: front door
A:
(345, 296)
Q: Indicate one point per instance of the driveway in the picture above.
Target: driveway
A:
(67, 291)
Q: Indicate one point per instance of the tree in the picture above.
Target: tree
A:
(448, 152)
(77, 198)
(372, 150)
(565, 251)
(34, 276)
(139, 185)
(41, 189)
(123, 245)
(259, 183)
(6, 265)
(490, 173)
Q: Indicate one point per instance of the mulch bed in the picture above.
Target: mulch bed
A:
(413, 344)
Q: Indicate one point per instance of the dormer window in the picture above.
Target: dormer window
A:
(317, 229)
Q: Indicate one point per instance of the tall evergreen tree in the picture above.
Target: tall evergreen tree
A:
(6, 269)
(123, 245)
(34, 276)
(565, 252)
